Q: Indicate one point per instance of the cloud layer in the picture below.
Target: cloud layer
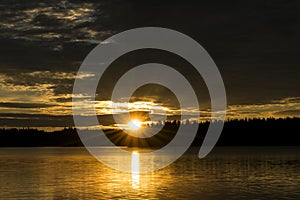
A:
(254, 44)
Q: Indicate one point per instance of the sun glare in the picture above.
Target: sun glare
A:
(134, 125)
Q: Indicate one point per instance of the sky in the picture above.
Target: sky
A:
(255, 45)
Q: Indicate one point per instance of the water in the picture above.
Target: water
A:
(227, 173)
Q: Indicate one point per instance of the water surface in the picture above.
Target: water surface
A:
(227, 173)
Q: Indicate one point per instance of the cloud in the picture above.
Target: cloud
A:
(286, 107)
(254, 44)
(288, 113)
(24, 105)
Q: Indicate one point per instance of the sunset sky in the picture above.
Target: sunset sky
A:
(255, 45)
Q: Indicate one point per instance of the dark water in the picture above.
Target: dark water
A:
(227, 173)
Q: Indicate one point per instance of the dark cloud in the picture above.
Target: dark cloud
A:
(34, 120)
(24, 105)
(254, 43)
(46, 120)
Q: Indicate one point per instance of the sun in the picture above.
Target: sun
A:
(134, 125)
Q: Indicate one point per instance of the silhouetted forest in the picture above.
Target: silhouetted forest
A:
(245, 132)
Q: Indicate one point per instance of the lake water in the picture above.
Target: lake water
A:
(226, 173)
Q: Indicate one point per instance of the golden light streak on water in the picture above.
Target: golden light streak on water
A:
(135, 170)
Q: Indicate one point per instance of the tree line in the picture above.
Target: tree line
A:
(236, 132)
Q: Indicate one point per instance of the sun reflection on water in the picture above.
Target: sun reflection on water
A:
(135, 170)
